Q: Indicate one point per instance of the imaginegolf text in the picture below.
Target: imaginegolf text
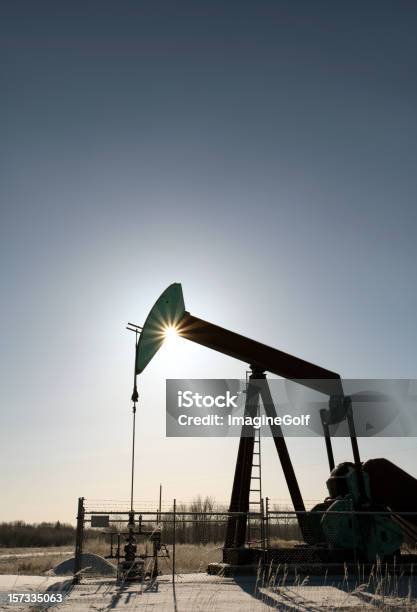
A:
(256, 422)
(260, 421)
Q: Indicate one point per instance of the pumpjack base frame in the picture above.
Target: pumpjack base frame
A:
(306, 560)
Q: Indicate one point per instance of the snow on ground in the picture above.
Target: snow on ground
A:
(90, 563)
(10, 583)
(198, 593)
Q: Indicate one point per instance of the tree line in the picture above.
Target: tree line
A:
(200, 527)
(20, 534)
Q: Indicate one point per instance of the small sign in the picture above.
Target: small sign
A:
(100, 520)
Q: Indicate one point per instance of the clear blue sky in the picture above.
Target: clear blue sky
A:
(261, 153)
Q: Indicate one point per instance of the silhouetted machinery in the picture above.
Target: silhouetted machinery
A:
(132, 563)
(365, 515)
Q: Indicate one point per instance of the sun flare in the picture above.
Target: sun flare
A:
(170, 333)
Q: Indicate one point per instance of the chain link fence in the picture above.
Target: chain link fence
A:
(179, 539)
(181, 546)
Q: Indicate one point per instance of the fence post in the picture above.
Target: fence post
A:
(262, 518)
(267, 523)
(79, 539)
(354, 519)
(173, 540)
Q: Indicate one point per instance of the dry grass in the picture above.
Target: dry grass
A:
(188, 557)
(195, 557)
(32, 561)
(98, 546)
(279, 543)
(44, 559)
(33, 566)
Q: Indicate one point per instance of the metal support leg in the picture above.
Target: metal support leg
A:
(355, 449)
(284, 456)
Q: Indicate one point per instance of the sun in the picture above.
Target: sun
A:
(170, 333)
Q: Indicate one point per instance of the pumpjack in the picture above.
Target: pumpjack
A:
(368, 512)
